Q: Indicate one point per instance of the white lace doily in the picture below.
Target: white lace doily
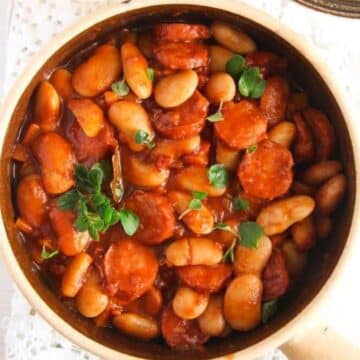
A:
(33, 22)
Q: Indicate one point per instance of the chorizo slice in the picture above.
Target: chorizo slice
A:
(185, 120)
(275, 276)
(181, 32)
(69, 241)
(181, 55)
(243, 125)
(267, 172)
(57, 161)
(157, 219)
(303, 148)
(323, 131)
(130, 270)
(208, 279)
(268, 62)
(274, 100)
(179, 333)
(90, 150)
(32, 200)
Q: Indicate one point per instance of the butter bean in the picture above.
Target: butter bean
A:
(174, 90)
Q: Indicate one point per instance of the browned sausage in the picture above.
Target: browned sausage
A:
(267, 172)
(243, 125)
(157, 220)
(273, 102)
(181, 56)
(181, 32)
(181, 334)
(268, 62)
(204, 278)
(185, 120)
(303, 148)
(130, 269)
(91, 150)
(275, 276)
(57, 160)
(323, 131)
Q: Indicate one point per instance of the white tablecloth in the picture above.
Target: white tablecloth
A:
(33, 22)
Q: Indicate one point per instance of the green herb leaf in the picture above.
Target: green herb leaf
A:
(142, 137)
(229, 253)
(218, 176)
(69, 200)
(195, 204)
(223, 226)
(250, 233)
(200, 195)
(150, 72)
(129, 221)
(251, 83)
(218, 116)
(269, 309)
(46, 255)
(251, 149)
(120, 88)
(240, 204)
(235, 66)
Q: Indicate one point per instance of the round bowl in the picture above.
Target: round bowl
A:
(326, 261)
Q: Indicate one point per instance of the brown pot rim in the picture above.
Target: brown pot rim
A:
(307, 315)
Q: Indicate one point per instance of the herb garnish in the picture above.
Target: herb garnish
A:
(150, 72)
(235, 66)
(120, 88)
(218, 176)
(195, 203)
(217, 116)
(269, 309)
(142, 137)
(46, 255)
(250, 81)
(240, 204)
(94, 210)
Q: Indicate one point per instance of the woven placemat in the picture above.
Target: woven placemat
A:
(347, 8)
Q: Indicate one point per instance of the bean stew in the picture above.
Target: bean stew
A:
(171, 182)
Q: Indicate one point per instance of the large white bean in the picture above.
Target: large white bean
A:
(220, 88)
(321, 172)
(141, 173)
(174, 90)
(135, 70)
(295, 260)
(130, 117)
(323, 226)
(280, 215)
(195, 178)
(212, 321)
(242, 302)
(75, 273)
(330, 194)
(283, 133)
(174, 149)
(91, 300)
(219, 56)
(227, 156)
(303, 233)
(233, 39)
(189, 304)
(252, 260)
(140, 326)
(200, 221)
(193, 251)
